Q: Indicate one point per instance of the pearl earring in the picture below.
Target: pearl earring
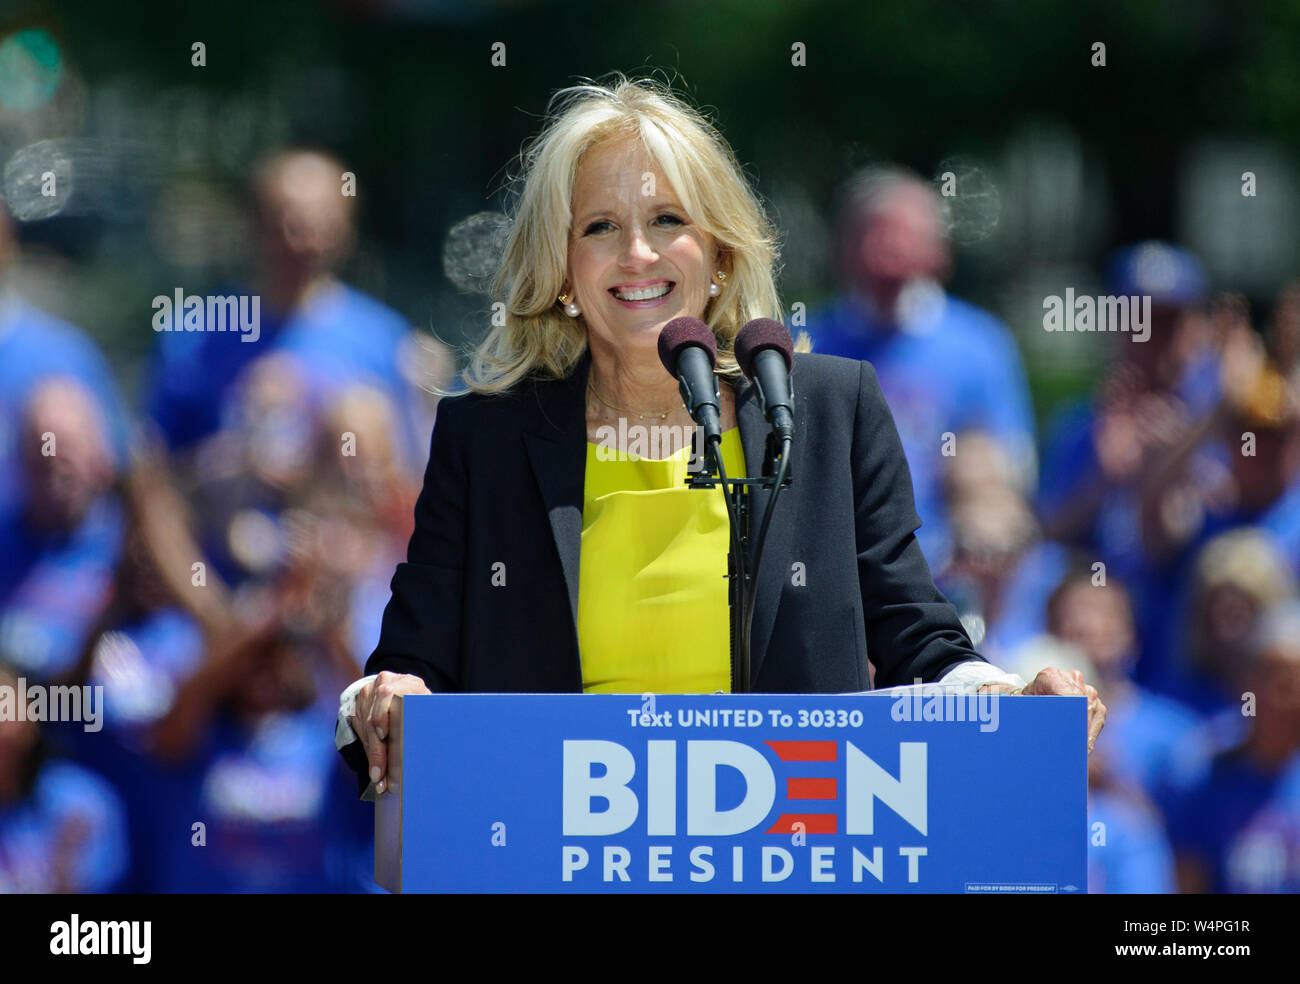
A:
(570, 307)
(715, 288)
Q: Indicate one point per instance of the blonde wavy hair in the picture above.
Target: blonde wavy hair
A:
(537, 338)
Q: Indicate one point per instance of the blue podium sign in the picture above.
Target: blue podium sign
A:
(900, 792)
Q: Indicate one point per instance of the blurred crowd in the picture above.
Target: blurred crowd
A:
(217, 562)
(218, 559)
(1149, 536)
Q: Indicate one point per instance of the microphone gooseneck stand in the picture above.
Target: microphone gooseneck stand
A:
(742, 577)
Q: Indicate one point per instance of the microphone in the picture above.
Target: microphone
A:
(765, 352)
(689, 351)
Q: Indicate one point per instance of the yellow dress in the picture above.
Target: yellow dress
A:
(652, 587)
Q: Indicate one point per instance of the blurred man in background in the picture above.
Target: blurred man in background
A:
(944, 365)
(305, 228)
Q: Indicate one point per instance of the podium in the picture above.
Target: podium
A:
(918, 790)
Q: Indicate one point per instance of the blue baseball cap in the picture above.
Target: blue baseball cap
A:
(1167, 274)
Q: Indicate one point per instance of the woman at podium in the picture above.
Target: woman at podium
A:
(557, 547)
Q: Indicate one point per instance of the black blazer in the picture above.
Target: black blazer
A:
(504, 486)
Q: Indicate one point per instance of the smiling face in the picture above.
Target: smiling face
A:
(636, 261)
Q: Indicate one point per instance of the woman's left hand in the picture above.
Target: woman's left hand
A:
(1061, 683)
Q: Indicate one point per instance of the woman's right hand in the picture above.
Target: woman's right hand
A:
(370, 719)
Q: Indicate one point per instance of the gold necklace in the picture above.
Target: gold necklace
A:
(639, 416)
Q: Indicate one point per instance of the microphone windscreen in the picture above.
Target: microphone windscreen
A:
(681, 332)
(759, 334)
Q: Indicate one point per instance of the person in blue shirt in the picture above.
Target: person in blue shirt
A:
(211, 715)
(1099, 451)
(1001, 571)
(1128, 852)
(62, 828)
(1229, 581)
(1146, 732)
(64, 443)
(1135, 768)
(305, 228)
(1236, 826)
(146, 646)
(34, 348)
(224, 732)
(61, 543)
(1189, 500)
(270, 796)
(1095, 448)
(944, 366)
